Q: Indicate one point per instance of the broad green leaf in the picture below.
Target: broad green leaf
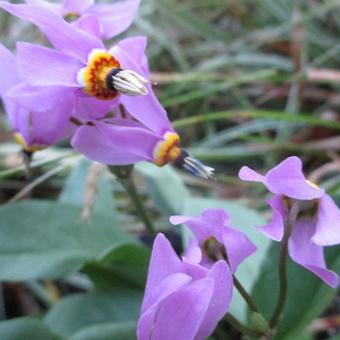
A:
(128, 263)
(76, 312)
(125, 330)
(166, 188)
(74, 190)
(42, 239)
(307, 297)
(119, 280)
(244, 219)
(26, 328)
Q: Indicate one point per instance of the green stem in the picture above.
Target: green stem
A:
(241, 327)
(251, 303)
(124, 175)
(293, 213)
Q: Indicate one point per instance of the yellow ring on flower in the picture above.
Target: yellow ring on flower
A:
(30, 148)
(167, 150)
(93, 76)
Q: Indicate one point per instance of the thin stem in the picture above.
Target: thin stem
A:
(241, 327)
(293, 213)
(124, 175)
(251, 303)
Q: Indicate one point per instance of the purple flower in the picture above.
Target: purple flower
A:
(216, 238)
(183, 300)
(83, 67)
(318, 223)
(102, 20)
(122, 141)
(32, 129)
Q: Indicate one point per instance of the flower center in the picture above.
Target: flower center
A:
(71, 16)
(94, 77)
(167, 150)
(214, 249)
(29, 148)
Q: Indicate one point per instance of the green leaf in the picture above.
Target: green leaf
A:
(115, 304)
(166, 188)
(128, 262)
(74, 190)
(74, 313)
(125, 330)
(307, 297)
(25, 328)
(244, 219)
(41, 239)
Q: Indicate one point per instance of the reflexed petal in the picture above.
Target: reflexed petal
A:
(308, 254)
(115, 145)
(164, 262)
(247, 174)
(62, 35)
(41, 66)
(56, 8)
(237, 245)
(77, 6)
(146, 109)
(151, 306)
(215, 219)
(9, 79)
(90, 24)
(38, 98)
(166, 287)
(134, 47)
(195, 270)
(180, 315)
(50, 126)
(274, 229)
(198, 228)
(193, 252)
(115, 18)
(91, 108)
(220, 301)
(328, 222)
(287, 179)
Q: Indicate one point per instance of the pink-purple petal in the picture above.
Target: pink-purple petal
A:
(327, 231)
(247, 174)
(287, 179)
(41, 66)
(153, 301)
(63, 36)
(199, 229)
(37, 98)
(180, 315)
(90, 24)
(309, 255)
(115, 18)
(113, 144)
(274, 229)
(77, 6)
(237, 245)
(220, 301)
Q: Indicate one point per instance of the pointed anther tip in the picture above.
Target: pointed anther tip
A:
(130, 83)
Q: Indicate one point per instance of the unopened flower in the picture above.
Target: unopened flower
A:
(216, 238)
(102, 20)
(122, 141)
(183, 300)
(33, 130)
(318, 222)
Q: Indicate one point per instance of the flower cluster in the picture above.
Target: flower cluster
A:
(98, 96)
(197, 289)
